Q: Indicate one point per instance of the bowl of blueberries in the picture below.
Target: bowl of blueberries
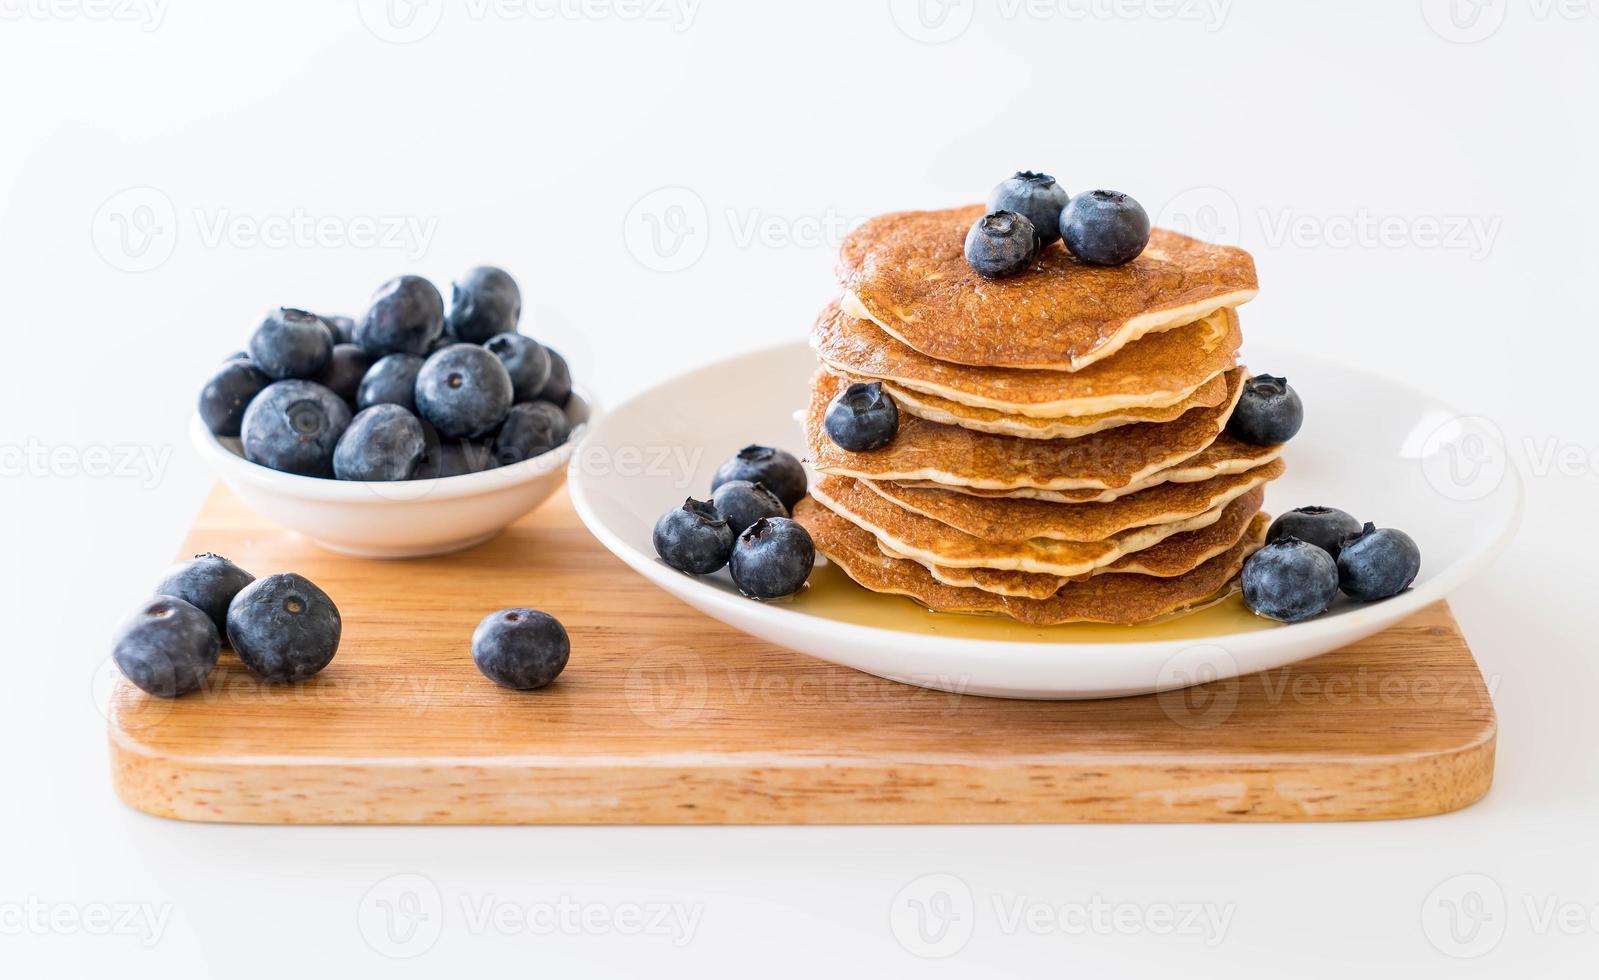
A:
(409, 432)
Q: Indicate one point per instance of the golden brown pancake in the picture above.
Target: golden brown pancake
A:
(1101, 599)
(949, 454)
(1224, 457)
(909, 275)
(1174, 556)
(1020, 519)
(926, 540)
(945, 412)
(1155, 372)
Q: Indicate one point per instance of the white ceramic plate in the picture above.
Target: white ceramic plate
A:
(410, 519)
(1382, 451)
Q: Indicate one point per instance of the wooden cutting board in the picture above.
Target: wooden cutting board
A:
(665, 716)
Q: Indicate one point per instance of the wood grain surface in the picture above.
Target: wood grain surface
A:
(665, 716)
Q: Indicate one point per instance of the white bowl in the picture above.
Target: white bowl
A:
(411, 519)
(1380, 450)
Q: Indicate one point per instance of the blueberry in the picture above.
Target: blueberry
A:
(862, 418)
(772, 558)
(693, 538)
(343, 328)
(1268, 412)
(1104, 228)
(742, 503)
(1035, 197)
(391, 381)
(1376, 563)
(406, 314)
(1324, 527)
(452, 457)
(294, 426)
(167, 648)
(525, 361)
(229, 392)
(484, 302)
(1290, 580)
(521, 648)
(291, 343)
(1001, 244)
(530, 429)
(208, 582)
(283, 627)
(383, 442)
(779, 471)
(464, 391)
(558, 388)
(345, 371)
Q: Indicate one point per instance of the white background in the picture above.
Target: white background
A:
(537, 137)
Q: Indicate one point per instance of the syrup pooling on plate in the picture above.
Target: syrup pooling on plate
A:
(831, 595)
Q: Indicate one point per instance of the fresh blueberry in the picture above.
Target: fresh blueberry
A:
(167, 648)
(1035, 197)
(283, 627)
(1001, 244)
(343, 328)
(345, 370)
(530, 429)
(452, 457)
(1268, 412)
(1104, 228)
(391, 381)
(1376, 563)
(862, 418)
(1324, 527)
(558, 388)
(291, 343)
(483, 303)
(229, 392)
(521, 648)
(693, 538)
(525, 361)
(294, 426)
(780, 472)
(1290, 580)
(406, 314)
(742, 503)
(208, 582)
(383, 442)
(772, 558)
(464, 391)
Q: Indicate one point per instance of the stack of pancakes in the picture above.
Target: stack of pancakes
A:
(1061, 453)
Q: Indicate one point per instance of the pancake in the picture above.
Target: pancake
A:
(1224, 457)
(1102, 599)
(945, 412)
(1021, 520)
(908, 274)
(926, 540)
(1158, 371)
(1177, 555)
(949, 454)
